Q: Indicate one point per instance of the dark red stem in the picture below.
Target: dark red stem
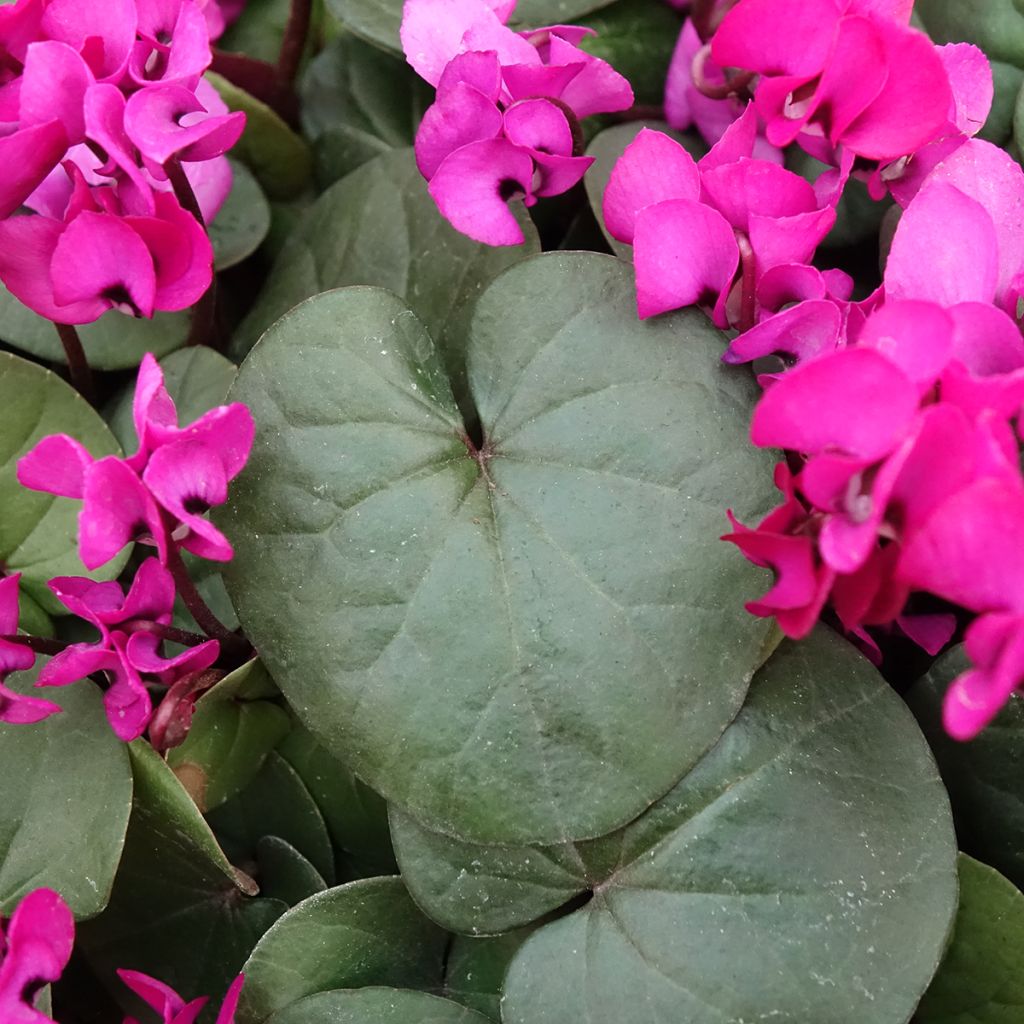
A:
(294, 43)
(198, 608)
(730, 87)
(261, 80)
(748, 283)
(39, 644)
(204, 312)
(78, 364)
(176, 636)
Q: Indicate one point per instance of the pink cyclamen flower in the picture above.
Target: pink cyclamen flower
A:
(170, 1007)
(35, 946)
(504, 124)
(95, 102)
(160, 494)
(14, 657)
(126, 652)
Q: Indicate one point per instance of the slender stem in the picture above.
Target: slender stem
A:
(259, 79)
(748, 294)
(39, 644)
(701, 12)
(294, 43)
(176, 636)
(78, 364)
(204, 312)
(198, 608)
(730, 87)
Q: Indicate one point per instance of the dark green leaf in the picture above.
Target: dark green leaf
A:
(804, 871)
(997, 26)
(475, 970)
(1007, 80)
(364, 933)
(980, 981)
(38, 532)
(179, 911)
(356, 817)
(242, 222)
(359, 102)
(274, 803)
(528, 652)
(65, 795)
(260, 29)
(281, 160)
(378, 21)
(225, 748)
(376, 1006)
(197, 378)
(114, 342)
(985, 777)
(393, 237)
(284, 873)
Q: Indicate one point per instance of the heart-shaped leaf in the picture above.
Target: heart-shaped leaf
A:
(65, 795)
(395, 239)
(979, 981)
(242, 222)
(284, 873)
(378, 21)
(179, 910)
(38, 532)
(983, 777)
(274, 803)
(114, 342)
(359, 102)
(525, 640)
(365, 933)
(376, 1006)
(806, 869)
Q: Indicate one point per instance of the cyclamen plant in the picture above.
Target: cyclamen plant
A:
(401, 672)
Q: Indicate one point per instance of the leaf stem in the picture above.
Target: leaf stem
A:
(204, 312)
(748, 282)
(184, 637)
(78, 364)
(294, 43)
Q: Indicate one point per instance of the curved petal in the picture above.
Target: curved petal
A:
(684, 254)
(56, 465)
(53, 84)
(804, 331)
(916, 336)
(27, 157)
(652, 168)
(459, 116)
(473, 185)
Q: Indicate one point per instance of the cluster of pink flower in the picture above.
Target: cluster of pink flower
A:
(100, 106)
(35, 948)
(158, 496)
(506, 119)
(904, 470)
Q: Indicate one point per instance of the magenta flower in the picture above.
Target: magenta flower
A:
(126, 651)
(35, 947)
(160, 494)
(14, 657)
(505, 121)
(693, 225)
(171, 1008)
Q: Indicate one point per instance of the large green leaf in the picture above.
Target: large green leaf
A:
(364, 933)
(474, 970)
(979, 981)
(983, 776)
(359, 102)
(179, 910)
(114, 342)
(65, 795)
(379, 226)
(38, 532)
(242, 222)
(376, 1006)
(378, 21)
(804, 871)
(525, 647)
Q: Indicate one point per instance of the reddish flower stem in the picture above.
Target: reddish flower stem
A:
(730, 87)
(261, 80)
(39, 644)
(204, 312)
(294, 43)
(748, 296)
(171, 633)
(78, 364)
